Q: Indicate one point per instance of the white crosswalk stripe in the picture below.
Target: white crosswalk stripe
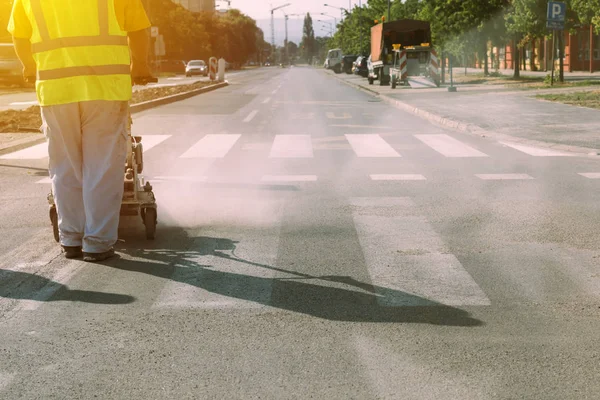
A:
(396, 177)
(292, 146)
(407, 260)
(504, 177)
(212, 146)
(591, 175)
(229, 273)
(369, 145)
(536, 151)
(449, 147)
(40, 151)
(289, 178)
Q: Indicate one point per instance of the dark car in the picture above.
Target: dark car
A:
(11, 70)
(360, 67)
(347, 63)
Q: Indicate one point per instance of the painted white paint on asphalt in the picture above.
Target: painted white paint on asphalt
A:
(150, 141)
(37, 152)
(407, 260)
(159, 179)
(397, 177)
(292, 146)
(251, 116)
(383, 363)
(212, 146)
(504, 177)
(536, 151)
(591, 175)
(228, 273)
(5, 380)
(267, 100)
(449, 147)
(25, 103)
(360, 126)
(40, 151)
(275, 91)
(332, 115)
(45, 181)
(368, 145)
(289, 178)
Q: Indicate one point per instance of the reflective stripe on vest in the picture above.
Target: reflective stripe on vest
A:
(62, 59)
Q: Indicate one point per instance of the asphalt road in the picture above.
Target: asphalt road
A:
(313, 243)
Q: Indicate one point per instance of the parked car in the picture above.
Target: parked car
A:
(360, 67)
(11, 69)
(348, 62)
(196, 67)
(334, 60)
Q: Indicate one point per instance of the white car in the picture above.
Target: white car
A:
(196, 67)
(334, 60)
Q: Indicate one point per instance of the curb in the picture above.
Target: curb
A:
(135, 109)
(467, 128)
(139, 107)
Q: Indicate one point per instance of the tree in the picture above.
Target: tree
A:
(308, 39)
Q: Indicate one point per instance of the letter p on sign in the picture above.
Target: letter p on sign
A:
(556, 11)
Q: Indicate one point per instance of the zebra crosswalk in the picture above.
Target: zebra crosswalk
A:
(371, 145)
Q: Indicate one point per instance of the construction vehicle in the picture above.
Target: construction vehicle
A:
(400, 49)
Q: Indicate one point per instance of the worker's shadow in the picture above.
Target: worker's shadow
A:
(336, 298)
(25, 286)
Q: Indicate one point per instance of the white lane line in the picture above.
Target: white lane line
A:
(230, 274)
(25, 103)
(292, 146)
(267, 100)
(367, 145)
(289, 178)
(407, 260)
(275, 91)
(392, 177)
(56, 282)
(536, 151)
(45, 181)
(150, 141)
(360, 126)
(591, 175)
(159, 179)
(251, 116)
(5, 380)
(331, 115)
(37, 152)
(212, 146)
(449, 147)
(40, 151)
(504, 177)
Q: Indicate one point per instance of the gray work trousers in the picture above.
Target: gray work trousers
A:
(87, 149)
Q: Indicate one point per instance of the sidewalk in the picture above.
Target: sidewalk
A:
(500, 112)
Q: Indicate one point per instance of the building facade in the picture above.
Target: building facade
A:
(197, 5)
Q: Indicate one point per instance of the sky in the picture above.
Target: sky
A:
(260, 11)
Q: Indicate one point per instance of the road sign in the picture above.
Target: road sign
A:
(557, 13)
(154, 31)
(159, 46)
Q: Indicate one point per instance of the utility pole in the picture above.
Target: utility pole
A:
(273, 22)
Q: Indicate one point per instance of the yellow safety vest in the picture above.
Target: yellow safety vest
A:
(81, 52)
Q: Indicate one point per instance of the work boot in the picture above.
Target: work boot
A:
(72, 252)
(98, 257)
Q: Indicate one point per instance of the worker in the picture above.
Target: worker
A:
(83, 55)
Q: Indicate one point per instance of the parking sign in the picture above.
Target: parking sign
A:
(557, 13)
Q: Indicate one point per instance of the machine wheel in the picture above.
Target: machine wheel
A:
(393, 83)
(371, 81)
(54, 220)
(150, 219)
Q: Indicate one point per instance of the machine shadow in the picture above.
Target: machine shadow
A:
(334, 298)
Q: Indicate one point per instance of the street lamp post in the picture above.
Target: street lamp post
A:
(330, 16)
(273, 24)
(339, 8)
